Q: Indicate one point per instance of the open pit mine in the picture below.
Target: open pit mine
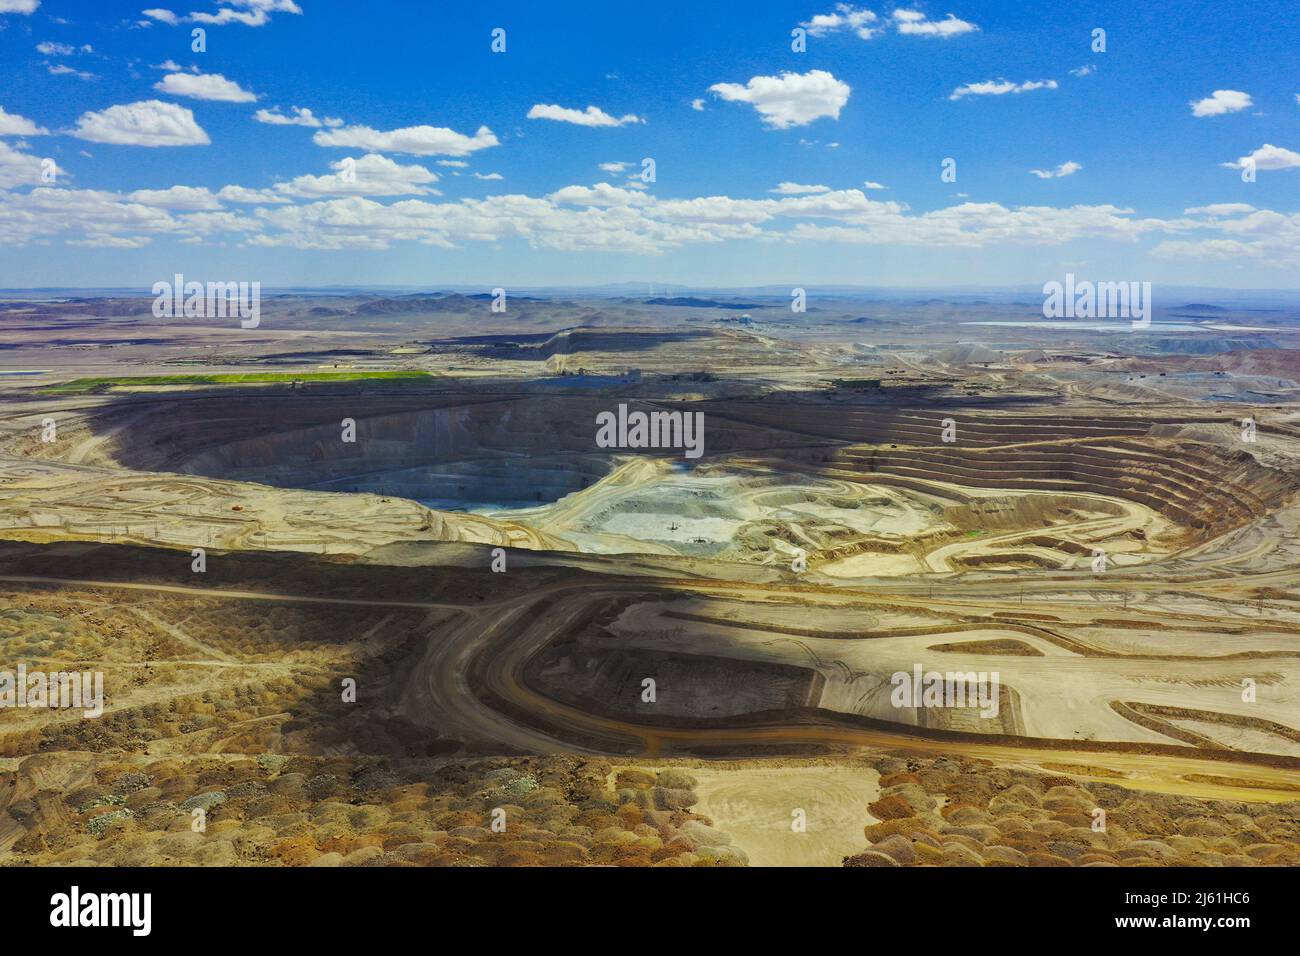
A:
(374, 593)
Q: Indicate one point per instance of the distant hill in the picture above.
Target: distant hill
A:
(689, 302)
(969, 355)
(1275, 362)
(426, 304)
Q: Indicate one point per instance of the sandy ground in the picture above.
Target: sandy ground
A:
(756, 805)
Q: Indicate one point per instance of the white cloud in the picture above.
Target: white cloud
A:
(791, 99)
(456, 163)
(603, 217)
(239, 194)
(192, 198)
(1267, 156)
(591, 116)
(915, 23)
(78, 213)
(1000, 88)
(49, 48)
(870, 185)
(1263, 236)
(19, 6)
(1220, 209)
(867, 25)
(416, 140)
(17, 168)
(251, 13)
(11, 124)
(300, 116)
(145, 123)
(1068, 168)
(60, 69)
(489, 176)
(601, 194)
(111, 242)
(697, 104)
(371, 175)
(613, 168)
(798, 189)
(966, 225)
(845, 16)
(1084, 70)
(1220, 102)
(204, 86)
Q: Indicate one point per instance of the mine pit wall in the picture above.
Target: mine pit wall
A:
(229, 439)
(1200, 488)
(294, 439)
(1014, 512)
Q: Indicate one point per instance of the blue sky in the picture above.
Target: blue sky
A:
(411, 107)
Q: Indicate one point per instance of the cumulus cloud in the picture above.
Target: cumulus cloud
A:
(971, 225)
(415, 140)
(76, 213)
(204, 86)
(864, 23)
(342, 210)
(1220, 102)
(60, 69)
(371, 175)
(868, 25)
(488, 176)
(591, 116)
(297, 116)
(871, 185)
(19, 6)
(242, 195)
(1267, 156)
(1084, 70)
(601, 194)
(1000, 88)
(798, 189)
(162, 16)
(193, 198)
(1261, 235)
(1068, 168)
(11, 124)
(18, 168)
(1220, 209)
(791, 99)
(111, 242)
(915, 23)
(145, 123)
(697, 104)
(251, 13)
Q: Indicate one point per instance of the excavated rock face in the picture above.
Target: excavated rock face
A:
(532, 449)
